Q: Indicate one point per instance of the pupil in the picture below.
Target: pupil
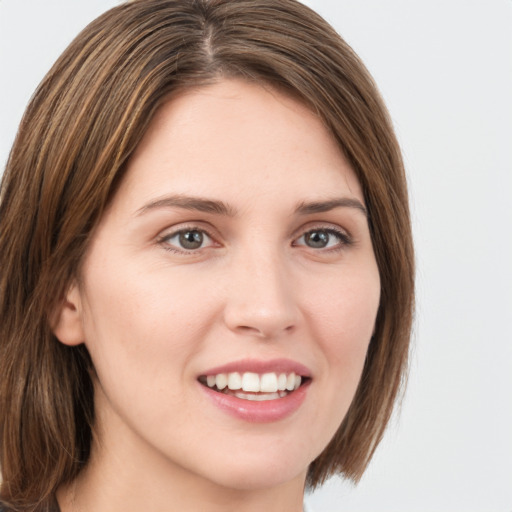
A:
(317, 239)
(191, 239)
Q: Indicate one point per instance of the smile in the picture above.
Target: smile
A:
(257, 391)
(253, 386)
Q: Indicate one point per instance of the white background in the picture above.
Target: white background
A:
(445, 70)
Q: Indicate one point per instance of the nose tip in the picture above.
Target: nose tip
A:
(262, 304)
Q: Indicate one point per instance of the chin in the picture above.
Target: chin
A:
(257, 473)
(248, 480)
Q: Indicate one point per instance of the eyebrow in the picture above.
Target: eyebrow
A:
(330, 204)
(205, 205)
(199, 204)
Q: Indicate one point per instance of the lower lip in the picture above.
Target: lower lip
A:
(258, 412)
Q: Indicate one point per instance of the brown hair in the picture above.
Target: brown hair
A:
(82, 125)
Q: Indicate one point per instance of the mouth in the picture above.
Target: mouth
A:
(254, 386)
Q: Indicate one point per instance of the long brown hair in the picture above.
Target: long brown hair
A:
(82, 125)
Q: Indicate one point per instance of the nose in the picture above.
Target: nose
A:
(261, 301)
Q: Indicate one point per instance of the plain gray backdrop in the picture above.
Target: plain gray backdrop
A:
(444, 68)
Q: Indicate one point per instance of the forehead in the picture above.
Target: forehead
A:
(233, 137)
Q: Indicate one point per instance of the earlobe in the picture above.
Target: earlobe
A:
(66, 322)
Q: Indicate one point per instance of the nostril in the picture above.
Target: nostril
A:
(262, 331)
(251, 330)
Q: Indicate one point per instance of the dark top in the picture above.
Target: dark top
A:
(53, 507)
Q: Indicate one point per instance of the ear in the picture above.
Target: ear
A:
(66, 321)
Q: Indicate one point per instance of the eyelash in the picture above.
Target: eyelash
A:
(164, 240)
(344, 239)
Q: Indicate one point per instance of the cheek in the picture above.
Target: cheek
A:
(345, 309)
(144, 300)
(344, 324)
(141, 328)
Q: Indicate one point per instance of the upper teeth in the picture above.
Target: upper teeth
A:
(253, 382)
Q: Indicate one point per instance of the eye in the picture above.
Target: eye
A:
(185, 240)
(323, 238)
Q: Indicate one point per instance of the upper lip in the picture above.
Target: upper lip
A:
(261, 367)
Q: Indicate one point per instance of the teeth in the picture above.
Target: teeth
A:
(221, 381)
(281, 382)
(234, 381)
(253, 383)
(268, 383)
(257, 398)
(290, 382)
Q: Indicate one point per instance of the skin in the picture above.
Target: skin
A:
(155, 315)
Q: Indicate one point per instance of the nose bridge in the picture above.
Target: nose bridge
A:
(261, 301)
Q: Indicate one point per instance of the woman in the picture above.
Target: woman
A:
(206, 265)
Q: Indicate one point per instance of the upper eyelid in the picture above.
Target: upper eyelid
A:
(311, 226)
(172, 234)
(343, 238)
(337, 231)
(186, 226)
(165, 235)
(163, 241)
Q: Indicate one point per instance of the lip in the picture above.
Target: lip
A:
(253, 411)
(260, 366)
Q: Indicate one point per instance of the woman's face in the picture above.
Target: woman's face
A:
(236, 252)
